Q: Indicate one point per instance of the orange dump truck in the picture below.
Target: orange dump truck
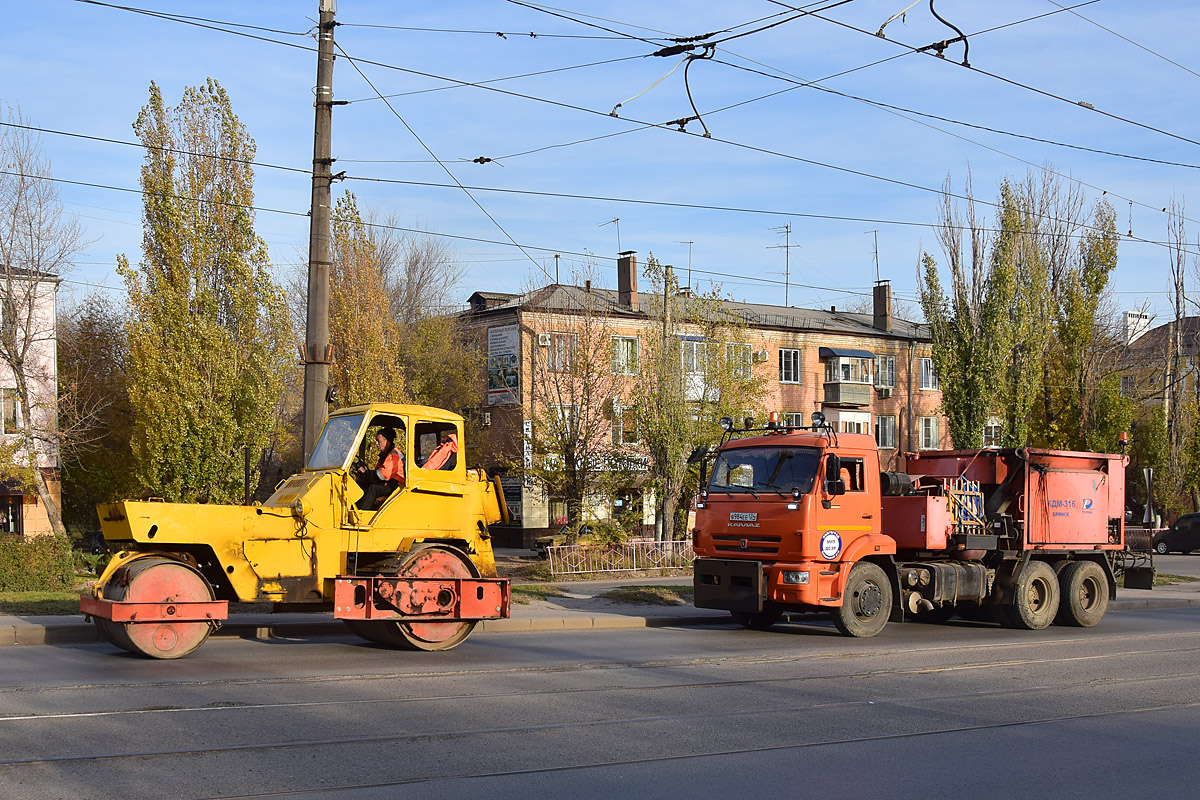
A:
(802, 519)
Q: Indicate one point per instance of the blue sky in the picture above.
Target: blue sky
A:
(85, 69)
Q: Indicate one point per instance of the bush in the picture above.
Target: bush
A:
(39, 563)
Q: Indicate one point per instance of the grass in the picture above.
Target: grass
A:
(1162, 579)
(27, 604)
(523, 593)
(650, 595)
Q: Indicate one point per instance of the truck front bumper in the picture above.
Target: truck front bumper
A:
(729, 585)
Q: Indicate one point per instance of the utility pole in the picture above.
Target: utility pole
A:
(787, 246)
(317, 350)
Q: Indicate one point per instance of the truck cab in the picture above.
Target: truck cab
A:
(783, 518)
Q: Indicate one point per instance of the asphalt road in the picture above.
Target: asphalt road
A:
(1178, 564)
(961, 710)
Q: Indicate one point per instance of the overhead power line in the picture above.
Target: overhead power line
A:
(1154, 53)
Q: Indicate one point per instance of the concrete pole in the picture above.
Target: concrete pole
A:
(316, 339)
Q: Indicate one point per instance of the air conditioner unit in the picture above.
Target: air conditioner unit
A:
(760, 356)
(543, 340)
(885, 392)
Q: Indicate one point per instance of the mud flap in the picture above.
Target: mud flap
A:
(729, 585)
(1139, 577)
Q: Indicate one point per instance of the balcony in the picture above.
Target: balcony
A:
(847, 395)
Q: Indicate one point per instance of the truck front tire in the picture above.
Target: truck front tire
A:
(867, 602)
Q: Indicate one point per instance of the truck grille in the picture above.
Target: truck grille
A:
(757, 544)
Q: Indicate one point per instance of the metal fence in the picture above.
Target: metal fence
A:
(576, 559)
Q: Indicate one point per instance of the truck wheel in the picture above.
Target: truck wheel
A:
(426, 562)
(759, 621)
(1161, 548)
(1036, 598)
(1084, 594)
(867, 602)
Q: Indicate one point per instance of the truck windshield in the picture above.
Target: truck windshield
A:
(765, 469)
(335, 443)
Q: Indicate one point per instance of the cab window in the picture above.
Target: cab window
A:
(853, 474)
(432, 445)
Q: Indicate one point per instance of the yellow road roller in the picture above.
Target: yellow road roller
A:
(413, 568)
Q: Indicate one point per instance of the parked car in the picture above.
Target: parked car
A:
(1183, 536)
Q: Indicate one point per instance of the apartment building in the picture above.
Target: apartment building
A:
(867, 372)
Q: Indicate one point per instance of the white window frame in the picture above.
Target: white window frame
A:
(993, 432)
(625, 363)
(1128, 385)
(885, 431)
(740, 359)
(885, 372)
(929, 380)
(562, 351)
(789, 365)
(793, 419)
(930, 434)
(624, 434)
(848, 369)
(694, 355)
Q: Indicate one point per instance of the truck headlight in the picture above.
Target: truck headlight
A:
(795, 576)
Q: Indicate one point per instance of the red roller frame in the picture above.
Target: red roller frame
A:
(440, 599)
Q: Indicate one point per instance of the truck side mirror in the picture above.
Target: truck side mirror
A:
(833, 475)
(698, 455)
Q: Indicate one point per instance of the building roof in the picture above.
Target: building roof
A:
(1152, 345)
(574, 299)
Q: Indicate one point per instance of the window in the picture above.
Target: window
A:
(929, 378)
(431, 436)
(789, 365)
(885, 372)
(844, 369)
(626, 355)
(992, 432)
(10, 411)
(738, 357)
(563, 416)
(765, 469)
(695, 354)
(930, 436)
(624, 426)
(794, 419)
(852, 422)
(10, 513)
(1128, 385)
(885, 432)
(854, 474)
(562, 351)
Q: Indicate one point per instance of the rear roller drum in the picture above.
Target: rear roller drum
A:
(427, 562)
(157, 580)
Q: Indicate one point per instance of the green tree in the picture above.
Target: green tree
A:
(93, 378)
(208, 327)
(362, 328)
(697, 367)
(967, 322)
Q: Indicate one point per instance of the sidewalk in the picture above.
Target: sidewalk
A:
(580, 610)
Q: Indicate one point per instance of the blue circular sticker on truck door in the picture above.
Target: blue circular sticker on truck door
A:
(831, 545)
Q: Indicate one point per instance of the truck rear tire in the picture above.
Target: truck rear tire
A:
(1084, 594)
(867, 602)
(760, 621)
(1036, 598)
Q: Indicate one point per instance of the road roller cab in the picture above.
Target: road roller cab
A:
(416, 570)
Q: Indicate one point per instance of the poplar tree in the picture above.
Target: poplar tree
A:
(208, 327)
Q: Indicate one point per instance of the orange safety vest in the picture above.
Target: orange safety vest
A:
(390, 467)
(441, 454)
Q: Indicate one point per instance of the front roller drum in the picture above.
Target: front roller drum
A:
(149, 607)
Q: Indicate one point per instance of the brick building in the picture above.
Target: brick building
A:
(868, 373)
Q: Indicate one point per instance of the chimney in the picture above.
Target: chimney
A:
(883, 306)
(627, 294)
